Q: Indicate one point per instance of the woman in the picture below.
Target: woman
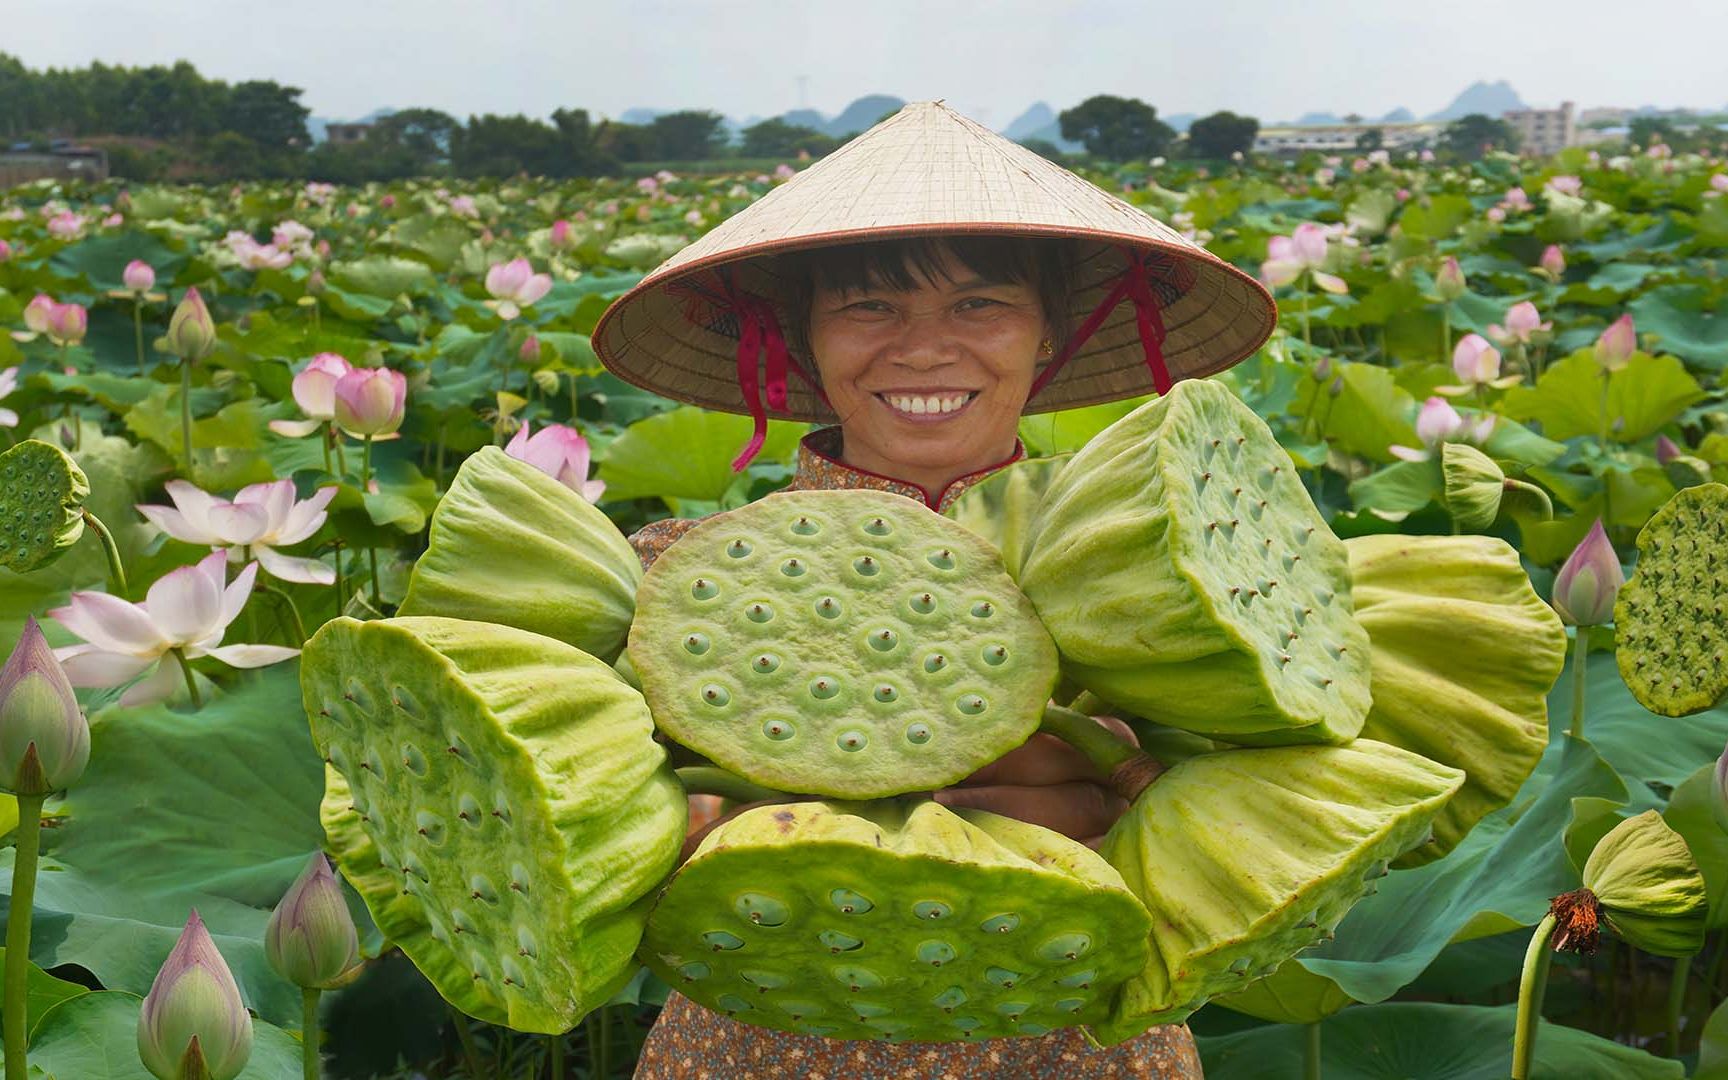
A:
(921, 289)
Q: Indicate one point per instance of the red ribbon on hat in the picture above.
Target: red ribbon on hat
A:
(759, 339)
(1134, 285)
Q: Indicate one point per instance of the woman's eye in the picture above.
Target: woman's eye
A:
(978, 302)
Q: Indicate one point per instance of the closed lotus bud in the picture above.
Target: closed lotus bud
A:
(193, 1025)
(1449, 282)
(191, 331)
(138, 276)
(311, 940)
(1648, 887)
(530, 351)
(1322, 369)
(37, 313)
(315, 283)
(1553, 261)
(370, 401)
(1336, 388)
(1474, 484)
(1588, 581)
(1666, 450)
(1615, 347)
(44, 738)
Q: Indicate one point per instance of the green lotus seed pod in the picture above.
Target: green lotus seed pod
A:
(513, 546)
(1001, 508)
(898, 920)
(1464, 655)
(1671, 641)
(843, 643)
(1474, 484)
(1291, 838)
(1686, 471)
(1187, 577)
(42, 493)
(497, 799)
(1649, 886)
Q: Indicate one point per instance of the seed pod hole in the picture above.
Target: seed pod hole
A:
(935, 662)
(918, 733)
(765, 663)
(885, 693)
(852, 741)
(721, 941)
(1000, 924)
(935, 953)
(824, 687)
(878, 527)
(696, 644)
(805, 527)
(778, 730)
(704, 589)
(716, 695)
(828, 608)
(995, 655)
(792, 568)
(849, 902)
(738, 549)
(970, 704)
(931, 909)
(761, 909)
(836, 942)
(866, 566)
(883, 639)
(759, 612)
(983, 609)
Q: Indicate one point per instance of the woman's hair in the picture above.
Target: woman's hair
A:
(1045, 264)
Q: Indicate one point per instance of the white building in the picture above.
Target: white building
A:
(1543, 131)
(1341, 138)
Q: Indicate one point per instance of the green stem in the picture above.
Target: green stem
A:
(603, 1060)
(1536, 493)
(326, 435)
(294, 612)
(1531, 986)
(1580, 654)
(557, 1056)
(1305, 339)
(1129, 770)
(186, 411)
(116, 572)
(1676, 1001)
(366, 466)
(138, 332)
(191, 683)
(377, 599)
(712, 780)
(341, 458)
(29, 838)
(309, 1033)
(1311, 1053)
(470, 1050)
(1445, 332)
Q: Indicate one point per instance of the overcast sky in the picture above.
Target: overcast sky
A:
(1272, 60)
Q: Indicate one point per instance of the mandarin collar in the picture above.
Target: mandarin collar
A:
(820, 468)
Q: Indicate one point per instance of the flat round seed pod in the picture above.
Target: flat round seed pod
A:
(1188, 578)
(1671, 635)
(1245, 857)
(498, 800)
(843, 643)
(1464, 654)
(42, 493)
(896, 920)
(513, 546)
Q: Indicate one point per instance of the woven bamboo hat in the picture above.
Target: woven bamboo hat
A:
(703, 327)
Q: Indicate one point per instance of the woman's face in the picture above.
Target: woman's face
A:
(928, 383)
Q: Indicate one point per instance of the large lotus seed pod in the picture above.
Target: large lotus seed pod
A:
(1671, 634)
(844, 643)
(513, 546)
(1002, 508)
(1648, 885)
(498, 800)
(1474, 484)
(1187, 577)
(1464, 654)
(896, 920)
(1245, 857)
(42, 493)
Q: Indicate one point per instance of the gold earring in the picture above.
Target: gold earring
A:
(1048, 347)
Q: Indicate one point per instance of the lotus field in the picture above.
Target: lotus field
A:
(348, 737)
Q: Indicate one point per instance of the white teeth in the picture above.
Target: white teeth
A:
(924, 405)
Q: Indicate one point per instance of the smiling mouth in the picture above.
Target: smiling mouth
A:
(927, 407)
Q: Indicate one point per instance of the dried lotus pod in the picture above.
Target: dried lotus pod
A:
(1188, 578)
(1670, 627)
(843, 643)
(42, 493)
(499, 802)
(897, 919)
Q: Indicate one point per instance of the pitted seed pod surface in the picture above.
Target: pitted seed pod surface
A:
(498, 800)
(843, 643)
(896, 920)
(1670, 621)
(42, 493)
(1293, 838)
(1188, 578)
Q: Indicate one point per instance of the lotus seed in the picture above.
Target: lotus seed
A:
(1080, 979)
(765, 663)
(885, 693)
(1070, 1005)
(1000, 924)
(1012, 1009)
(703, 589)
(715, 695)
(918, 733)
(849, 902)
(935, 953)
(759, 613)
(828, 607)
(805, 527)
(778, 730)
(878, 527)
(1066, 947)
(994, 655)
(738, 549)
(923, 603)
(1003, 977)
(838, 942)
(761, 910)
(413, 760)
(866, 566)
(852, 741)
(857, 978)
(732, 1004)
(950, 999)
(931, 909)
(942, 560)
(970, 704)
(431, 826)
(983, 609)
(720, 940)
(884, 639)
(824, 687)
(694, 970)
(763, 981)
(1240, 965)
(935, 662)
(1034, 1029)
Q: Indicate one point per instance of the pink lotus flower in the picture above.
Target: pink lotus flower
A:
(187, 609)
(647, 185)
(1719, 182)
(255, 256)
(1477, 364)
(259, 519)
(1553, 261)
(1449, 281)
(1589, 580)
(65, 225)
(1615, 347)
(66, 323)
(1565, 185)
(1426, 156)
(314, 390)
(290, 235)
(193, 1021)
(1324, 176)
(5, 251)
(784, 171)
(561, 453)
(1523, 322)
(1304, 251)
(1438, 422)
(8, 383)
(138, 276)
(388, 202)
(319, 193)
(514, 285)
(1666, 450)
(1496, 214)
(1515, 199)
(1402, 194)
(563, 237)
(463, 206)
(370, 401)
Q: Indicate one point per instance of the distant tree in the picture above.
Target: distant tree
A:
(1370, 140)
(1645, 130)
(504, 146)
(690, 135)
(1222, 134)
(1045, 149)
(626, 142)
(1352, 118)
(422, 136)
(1470, 136)
(268, 114)
(231, 155)
(776, 138)
(1116, 128)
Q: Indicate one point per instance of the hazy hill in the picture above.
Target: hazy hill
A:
(1489, 99)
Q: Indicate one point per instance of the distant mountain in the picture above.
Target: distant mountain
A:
(1317, 118)
(1027, 123)
(1489, 99)
(809, 118)
(641, 116)
(1179, 121)
(862, 114)
(1399, 115)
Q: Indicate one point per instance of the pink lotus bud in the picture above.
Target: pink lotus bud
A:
(388, 202)
(315, 283)
(44, 739)
(1402, 194)
(1476, 361)
(138, 276)
(1437, 421)
(1522, 319)
(562, 237)
(5, 251)
(1449, 282)
(314, 387)
(193, 1022)
(1589, 580)
(530, 351)
(191, 330)
(37, 312)
(1615, 347)
(1553, 260)
(311, 940)
(370, 401)
(67, 324)
(1666, 450)
(1496, 214)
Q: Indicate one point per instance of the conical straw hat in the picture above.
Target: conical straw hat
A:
(927, 170)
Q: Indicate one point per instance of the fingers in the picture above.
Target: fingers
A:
(1044, 759)
(1077, 809)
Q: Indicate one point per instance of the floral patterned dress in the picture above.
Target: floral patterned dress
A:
(691, 1043)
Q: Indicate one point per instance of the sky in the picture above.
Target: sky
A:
(1271, 60)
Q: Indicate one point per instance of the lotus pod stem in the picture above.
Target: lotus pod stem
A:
(1532, 985)
(29, 837)
(712, 780)
(1130, 771)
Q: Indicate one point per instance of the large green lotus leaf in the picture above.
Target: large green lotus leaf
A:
(843, 643)
(686, 454)
(383, 275)
(512, 545)
(1623, 731)
(1245, 857)
(1427, 1041)
(95, 1037)
(1671, 630)
(1687, 321)
(499, 802)
(1001, 508)
(1713, 1046)
(896, 919)
(42, 493)
(1187, 577)
(1648, 393)
(1370, 413)
(1693, 813)
(1651, 891)
(1464, 655)
(1290, 995)
(43, 992)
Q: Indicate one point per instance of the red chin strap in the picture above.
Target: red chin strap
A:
(760, 342)
(1135, 286)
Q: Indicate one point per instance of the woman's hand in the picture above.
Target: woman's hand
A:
(1048, 783)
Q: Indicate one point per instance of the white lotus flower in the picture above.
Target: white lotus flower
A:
(261, 518)
(8, 383)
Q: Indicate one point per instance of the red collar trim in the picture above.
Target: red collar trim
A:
(824, 444)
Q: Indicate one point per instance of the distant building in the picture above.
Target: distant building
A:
(1615, 117)
(1341, 137)
(346, 133)
(64, 162)
(1543, 131)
